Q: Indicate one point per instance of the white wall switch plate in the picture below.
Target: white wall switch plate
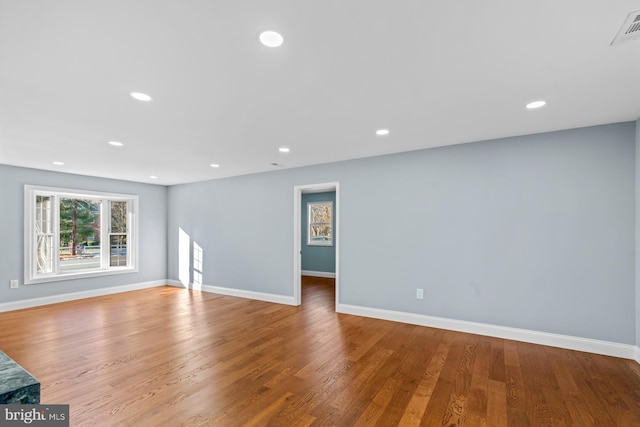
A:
(13, 284)
(419, 294)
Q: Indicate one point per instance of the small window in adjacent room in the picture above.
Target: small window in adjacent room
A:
(73, 233)
(320, 224)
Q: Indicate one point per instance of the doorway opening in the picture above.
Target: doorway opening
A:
(318, 293)
(300, 235)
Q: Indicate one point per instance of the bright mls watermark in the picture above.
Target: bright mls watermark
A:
(34, 415)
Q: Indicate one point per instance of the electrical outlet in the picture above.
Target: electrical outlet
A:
(13, 284)
(419, 293)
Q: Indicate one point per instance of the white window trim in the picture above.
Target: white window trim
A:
(30, 192)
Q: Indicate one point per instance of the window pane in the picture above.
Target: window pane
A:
(79, 234)
(321, 232)
(320, 212)
(118, 217)
(43, 214)
(118, 250)
(44, 253)
(44, 238)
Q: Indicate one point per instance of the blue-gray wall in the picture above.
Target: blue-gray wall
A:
(152, 226)
(318, 258)
(638, 233)
(533, 232)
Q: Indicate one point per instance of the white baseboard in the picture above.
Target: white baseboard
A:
(626, 351)
(318, 274)
(280, 299)
(53, 299)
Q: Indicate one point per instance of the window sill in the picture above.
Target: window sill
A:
(82, 275)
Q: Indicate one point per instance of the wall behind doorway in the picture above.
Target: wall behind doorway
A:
(317, 258)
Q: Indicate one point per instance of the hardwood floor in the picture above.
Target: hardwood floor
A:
(170, 357)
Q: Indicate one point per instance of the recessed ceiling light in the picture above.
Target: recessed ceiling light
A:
(536, 104)
(270, 38)
(153, 177)
(214, 165)
(140, 96)
(116, 143)
(284, 149)
(382, 132)
(58, 163)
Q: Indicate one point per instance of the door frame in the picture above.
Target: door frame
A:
(298, 191)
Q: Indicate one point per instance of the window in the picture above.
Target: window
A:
(73, 234)
(320, 224)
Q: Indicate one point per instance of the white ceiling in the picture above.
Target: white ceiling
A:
(434, 72)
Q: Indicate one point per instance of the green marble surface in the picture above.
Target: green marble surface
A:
(16, 384)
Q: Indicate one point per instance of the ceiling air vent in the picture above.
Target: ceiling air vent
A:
(630, 29)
